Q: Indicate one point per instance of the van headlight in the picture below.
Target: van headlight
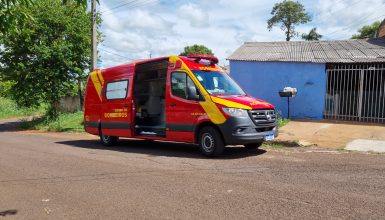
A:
(235, 112)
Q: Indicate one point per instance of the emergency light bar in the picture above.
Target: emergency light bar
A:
(213, 60)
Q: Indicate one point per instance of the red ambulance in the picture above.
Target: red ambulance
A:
(176, 98)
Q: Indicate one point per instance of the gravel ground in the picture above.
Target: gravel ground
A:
(71, 176)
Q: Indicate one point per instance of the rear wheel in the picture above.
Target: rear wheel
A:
(253, 146)
(210, 142)
(107, 140)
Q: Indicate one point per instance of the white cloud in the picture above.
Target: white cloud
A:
(341, 19)
(194, 14)
(165, 27)
(147, 22)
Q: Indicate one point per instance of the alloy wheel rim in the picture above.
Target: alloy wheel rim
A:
(207, 142)
(106, 139)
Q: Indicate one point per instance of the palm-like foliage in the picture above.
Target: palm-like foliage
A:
(312, 35)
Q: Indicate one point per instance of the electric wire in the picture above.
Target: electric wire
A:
(350, 4)
(359, 23)
(116, 54)
(132, 6)
(119, 5)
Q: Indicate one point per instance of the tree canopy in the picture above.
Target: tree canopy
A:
(44, 59)
(287, 15)
(367, 31)
(11, 14)
(196, 49)
(312, 35)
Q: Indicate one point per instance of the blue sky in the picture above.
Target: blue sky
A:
(138, 29)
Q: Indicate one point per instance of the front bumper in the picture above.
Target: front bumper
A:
(238, 131)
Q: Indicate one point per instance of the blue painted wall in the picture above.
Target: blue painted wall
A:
(264, 79)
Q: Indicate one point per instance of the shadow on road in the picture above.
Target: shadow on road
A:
(7, 126)
(167, 149)
(8, 212)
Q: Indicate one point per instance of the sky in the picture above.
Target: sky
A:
(140, 29)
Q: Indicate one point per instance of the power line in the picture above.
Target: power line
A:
(119, 5)
(360, 22)
(331, 12)
(116, 54)
(134, 5)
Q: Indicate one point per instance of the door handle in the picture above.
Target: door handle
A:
(172, 104)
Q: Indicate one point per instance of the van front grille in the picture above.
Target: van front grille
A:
(263, 117)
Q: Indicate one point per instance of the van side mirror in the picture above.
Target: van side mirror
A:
(192, 94)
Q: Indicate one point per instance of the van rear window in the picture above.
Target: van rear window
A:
(117, 90)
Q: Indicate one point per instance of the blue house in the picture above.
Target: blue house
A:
(342, 80)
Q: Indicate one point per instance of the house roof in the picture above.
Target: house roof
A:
(347, 51)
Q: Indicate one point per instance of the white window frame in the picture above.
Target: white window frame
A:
(117, 91)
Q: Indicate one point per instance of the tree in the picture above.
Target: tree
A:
(44, 59)
(195, 49)
(312, 35)
(10, 17)
(288, 14)
(367, 31)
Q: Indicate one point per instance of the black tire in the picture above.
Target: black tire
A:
(253, 146)
(107, 140)
(210, 142)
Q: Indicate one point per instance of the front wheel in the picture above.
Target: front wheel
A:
(253, 146)
(107, 140)
(210, 142)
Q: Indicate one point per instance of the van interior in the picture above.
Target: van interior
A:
(149, 96)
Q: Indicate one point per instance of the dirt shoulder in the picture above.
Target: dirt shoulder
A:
(329, 134)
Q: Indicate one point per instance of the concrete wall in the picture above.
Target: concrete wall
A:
(70, 104)
(264, 79)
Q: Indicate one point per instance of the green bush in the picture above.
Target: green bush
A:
(282, 121)
(9, 109)
(65, 122)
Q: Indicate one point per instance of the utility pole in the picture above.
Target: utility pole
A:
(94, 50)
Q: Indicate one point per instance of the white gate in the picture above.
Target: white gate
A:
(355, 92)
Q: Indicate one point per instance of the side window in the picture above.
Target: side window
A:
(180, 82)
(116, 90)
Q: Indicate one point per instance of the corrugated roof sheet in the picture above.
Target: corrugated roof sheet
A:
(347, 51)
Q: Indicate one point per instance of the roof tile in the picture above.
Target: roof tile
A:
(348, 51)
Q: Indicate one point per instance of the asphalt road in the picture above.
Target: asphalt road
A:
(69, 176)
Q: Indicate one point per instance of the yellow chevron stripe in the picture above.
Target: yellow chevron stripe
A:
(212, 111)
(100, 77)
(97, 84)
(228, 103)
(214, 114)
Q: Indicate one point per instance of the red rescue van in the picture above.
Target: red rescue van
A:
(182, 99)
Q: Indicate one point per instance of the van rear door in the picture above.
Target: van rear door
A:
(116, 116)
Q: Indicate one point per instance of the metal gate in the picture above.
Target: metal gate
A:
(355, 92)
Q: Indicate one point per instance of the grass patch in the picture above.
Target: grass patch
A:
(66, 122)
(273, 145)
(341, 149)
(9, 109)
(282, 122)
(281, 144)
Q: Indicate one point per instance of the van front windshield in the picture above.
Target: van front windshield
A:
(217, 83)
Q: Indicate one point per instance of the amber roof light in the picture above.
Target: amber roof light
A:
(213, 59)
